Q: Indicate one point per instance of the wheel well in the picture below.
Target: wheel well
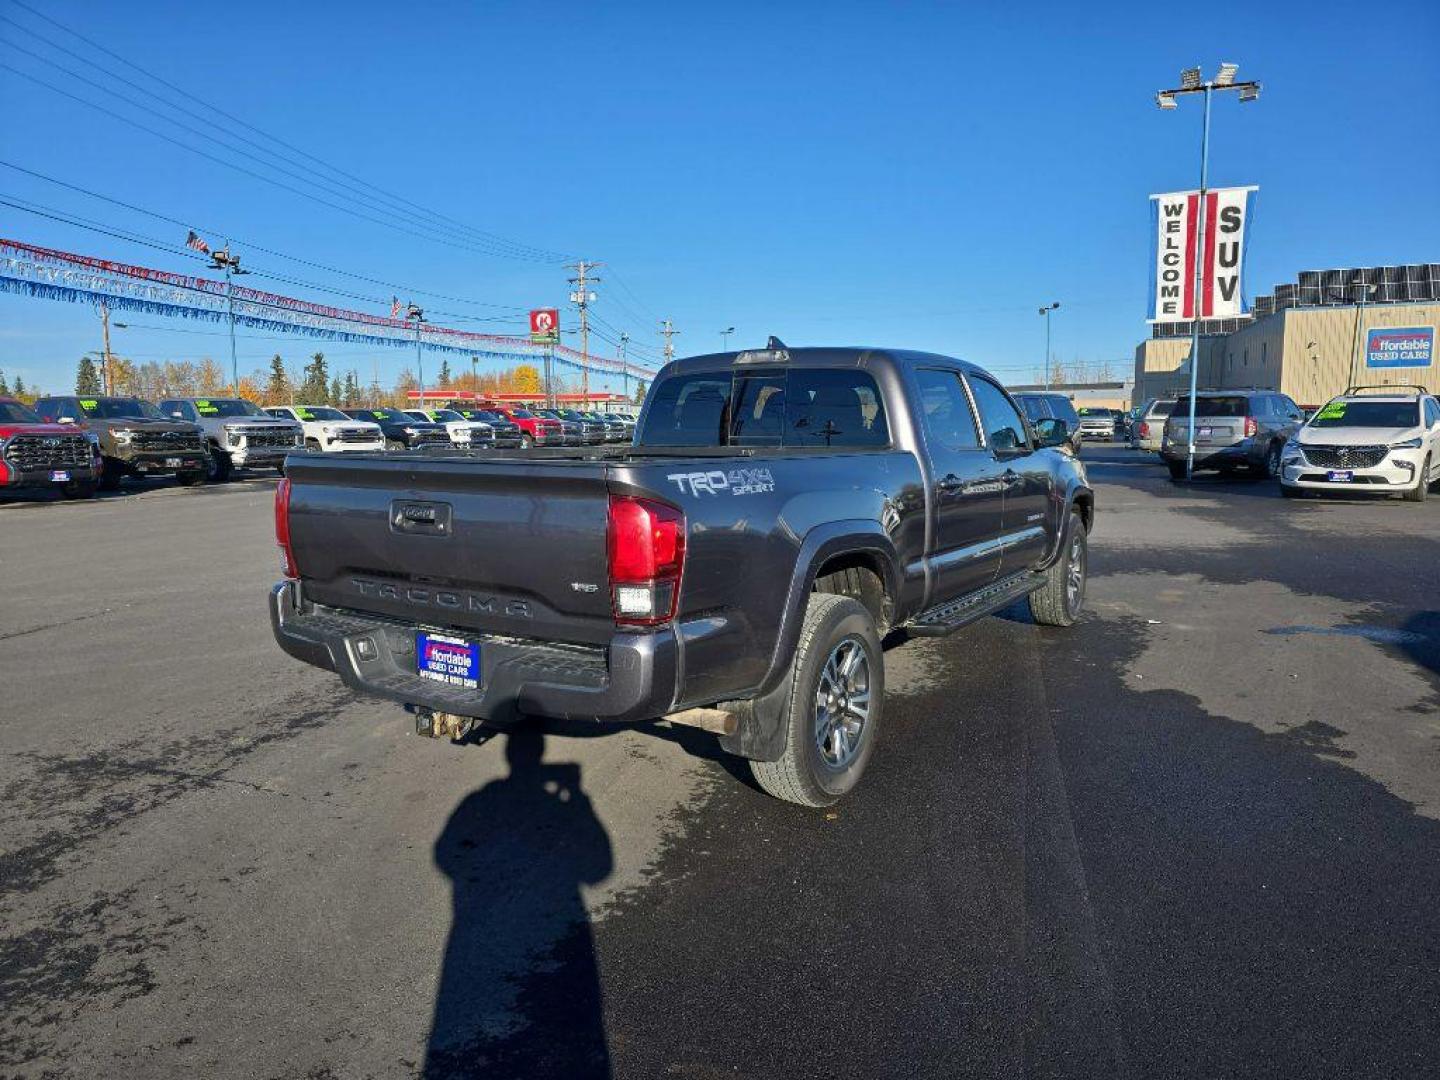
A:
(858, 575)
(1085, 503)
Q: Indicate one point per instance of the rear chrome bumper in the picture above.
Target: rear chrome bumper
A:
(632, 678)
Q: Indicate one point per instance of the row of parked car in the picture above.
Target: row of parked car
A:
(1381, 439)
(78, 444)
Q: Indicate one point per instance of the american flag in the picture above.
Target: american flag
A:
(394, 307)
(194, 241)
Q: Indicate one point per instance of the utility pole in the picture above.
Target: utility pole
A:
(582, 298)
(1046, 310)
(223, 260)
(413, 311)
(105, 357)
(624, 367)
(668, 331)
(1192, 82)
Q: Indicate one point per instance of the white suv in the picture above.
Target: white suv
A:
(466, 434)
(1382, 442)
(330, 429)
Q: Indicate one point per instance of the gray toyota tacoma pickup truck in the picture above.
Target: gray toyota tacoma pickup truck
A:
(735, 569)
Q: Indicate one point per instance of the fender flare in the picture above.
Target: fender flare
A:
(760, 733)
(1076, 492)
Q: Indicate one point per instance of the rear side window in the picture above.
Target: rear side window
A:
(1035, 408)
(1064, 410)
(948, 418)
(814, 407)
(1161, 408)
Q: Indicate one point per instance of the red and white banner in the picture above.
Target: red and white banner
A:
(1217, 243)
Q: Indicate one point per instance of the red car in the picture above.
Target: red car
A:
(34, 454)
(534, 430)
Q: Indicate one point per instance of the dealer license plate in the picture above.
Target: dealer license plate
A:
(60, 476)
(1340, 476)
(1205, 432)
(174, 462)
(449, 660)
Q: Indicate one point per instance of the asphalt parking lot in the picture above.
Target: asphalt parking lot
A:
(1196, 836)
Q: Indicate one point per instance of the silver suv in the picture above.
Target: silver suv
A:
(1147, 430)
(1234, 429)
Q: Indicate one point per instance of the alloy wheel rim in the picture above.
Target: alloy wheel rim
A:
(842, 703)
(1075, 574)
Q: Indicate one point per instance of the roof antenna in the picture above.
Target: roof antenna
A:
(774, 343)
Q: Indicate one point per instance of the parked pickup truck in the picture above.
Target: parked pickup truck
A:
(735, 569)
(239, 433)
(34, 454)
(135, 439)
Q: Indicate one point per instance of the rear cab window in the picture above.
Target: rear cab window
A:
(783, 407)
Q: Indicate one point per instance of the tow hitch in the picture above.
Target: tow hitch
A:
(442, 725)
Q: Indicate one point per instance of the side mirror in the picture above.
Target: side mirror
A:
(65, 420)
(1051, 432)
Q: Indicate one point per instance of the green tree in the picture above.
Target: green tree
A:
(19, 387)
(278, 390)
(4, 386)
(640, 392)
(445, 374)
(352, 390)
(316, 387)
(336, 394)
(87, 379)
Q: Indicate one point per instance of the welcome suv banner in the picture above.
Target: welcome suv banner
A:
(1220, 251)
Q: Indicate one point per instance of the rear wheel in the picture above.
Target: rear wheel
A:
(1177, 470)
(1269, 469)
(1061, 599)
(1422, 486)
(837, 692)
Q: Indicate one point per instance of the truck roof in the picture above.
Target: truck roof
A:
(819, 356)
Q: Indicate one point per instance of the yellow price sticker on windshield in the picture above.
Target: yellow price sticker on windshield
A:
(305, 414)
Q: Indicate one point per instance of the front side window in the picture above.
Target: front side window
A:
(1004, 429)
(949, 420)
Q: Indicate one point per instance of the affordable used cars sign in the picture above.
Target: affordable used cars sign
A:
(1399, 346)
(1217, 245)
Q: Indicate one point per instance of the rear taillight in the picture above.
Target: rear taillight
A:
(1144, 429)
(1250, 426)
(288, 566)
(647, 552)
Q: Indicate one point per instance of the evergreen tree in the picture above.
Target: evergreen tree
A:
(352, 390)
(335, 392)
(640, 392)
(4, 386)
(277, 388)
(316, 386)
(445, 374)
(19, 387)
(87, 379)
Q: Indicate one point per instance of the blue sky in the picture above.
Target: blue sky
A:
(921, 175)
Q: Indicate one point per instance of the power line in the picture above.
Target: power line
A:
(541, 254)
(252, 246)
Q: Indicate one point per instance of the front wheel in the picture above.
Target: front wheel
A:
(1422, 485)
(1061, 599)
(393, 445)
(526, 442)
(837, 693)
(220, 466)
(1270, 468)
(111, 473)
(1177, 470)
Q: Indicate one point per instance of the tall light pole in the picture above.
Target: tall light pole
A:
(582, 298)
(223, 260)
(624, 365)
(413, 312)
(725, 338)
(1046, 310)
(1192, 82)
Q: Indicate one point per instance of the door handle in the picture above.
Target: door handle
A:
(1011, 477)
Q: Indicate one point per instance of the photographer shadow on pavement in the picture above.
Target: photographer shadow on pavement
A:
(519, 989)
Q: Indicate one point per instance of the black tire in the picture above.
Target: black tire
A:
(79, 489)
(1422, 486)
(526, 442)
(392, 445)
(111, 473)
(220, 466)
(280, 469)
(1177, 470)
(823, 760)
(190, 479)
(1269, 469)
(1061, 599)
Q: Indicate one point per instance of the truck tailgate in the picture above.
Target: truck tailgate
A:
(501, 546)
